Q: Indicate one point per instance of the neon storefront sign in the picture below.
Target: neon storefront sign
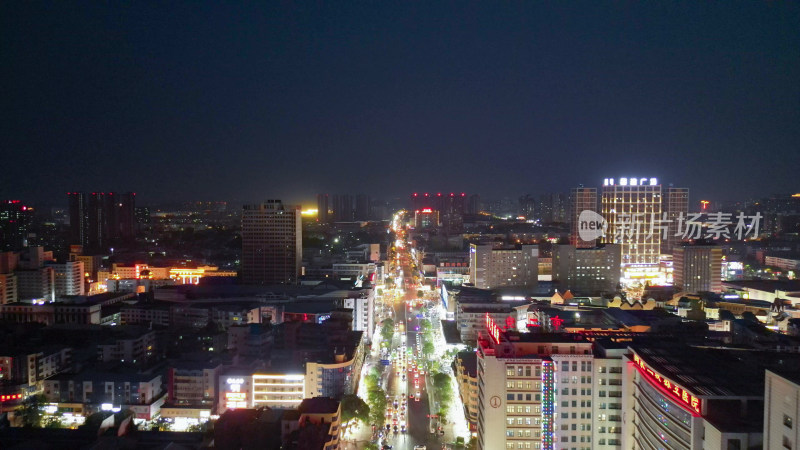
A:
(675, 392)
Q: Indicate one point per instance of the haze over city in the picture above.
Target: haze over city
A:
(185, 101)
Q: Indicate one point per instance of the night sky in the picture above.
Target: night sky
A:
(193, 100)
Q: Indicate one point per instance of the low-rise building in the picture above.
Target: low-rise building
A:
(131, 344)
(94, 390)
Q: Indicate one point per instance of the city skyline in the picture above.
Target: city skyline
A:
(274, 101)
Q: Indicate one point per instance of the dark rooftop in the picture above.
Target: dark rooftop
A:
(707, 371)
(318, 405)
(469, 360)
(766, 285)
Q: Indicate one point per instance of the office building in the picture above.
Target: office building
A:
(272, 243)
(322, 208)
(697, 266)
(36, 284)
(675, 206)
(69, 278)
(426, 218)
(491, 267)
(632, 209)
(15, 222)
(588, 271)
(581, 199)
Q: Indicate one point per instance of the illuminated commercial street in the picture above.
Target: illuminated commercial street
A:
(404, 379)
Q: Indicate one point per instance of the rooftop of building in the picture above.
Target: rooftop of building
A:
(707, 371)
(469, 361)
(318, 405)
(765, 285)
(634, 317)
(310, 306)
(110, 372)
(245, 290)
(515, 336)
(450, 332)
(790, 375)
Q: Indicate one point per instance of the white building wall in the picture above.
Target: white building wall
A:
(781, 412)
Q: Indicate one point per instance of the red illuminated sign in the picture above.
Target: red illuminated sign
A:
(556, 322)
(679, 394)
(5, 398)
(492, 328)
(427, 210)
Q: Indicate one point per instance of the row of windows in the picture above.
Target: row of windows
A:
(586, 366)
(523, 433)
(527, 397)
(523, 385)
(523, 371)
(523, 408)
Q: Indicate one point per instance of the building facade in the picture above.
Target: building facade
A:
(581, 199)
(491, 267)
(676, 205)
(587, 270)
(272, 243)
(68, 277)
(630, 208)
(697, 267)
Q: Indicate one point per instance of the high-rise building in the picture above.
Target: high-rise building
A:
(676, 205)
(697, 267)
(272, 243)
(363, 209)
(505, 266)
(474, 204)
(343, 208)
(587, 271)
(523, 399)
(99, 219)
(631, 208)
(581, 199)
(553, 208)
(322, 208)
(78, 218)
(142, 214)
(527, 206)
(15, 222)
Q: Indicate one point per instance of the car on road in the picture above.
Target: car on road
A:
(420, 447)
